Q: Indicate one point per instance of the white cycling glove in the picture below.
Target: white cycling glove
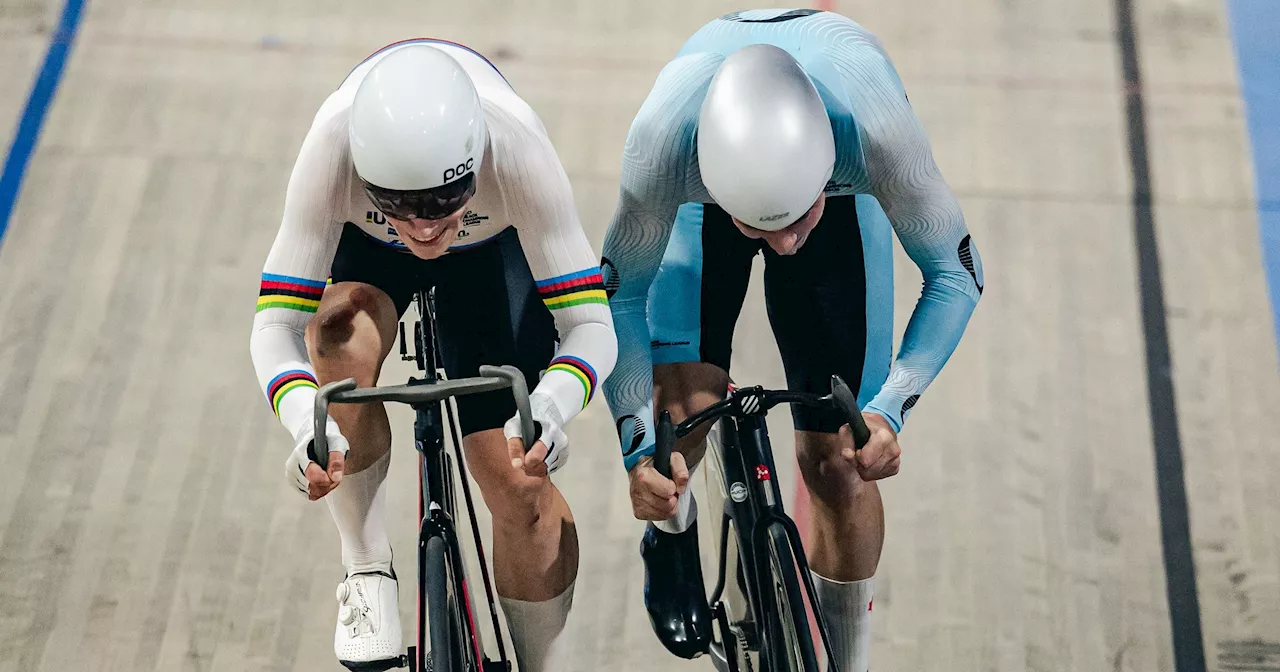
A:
(295, 467)
(548, 427)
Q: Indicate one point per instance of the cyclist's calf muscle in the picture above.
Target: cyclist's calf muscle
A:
(352, 331)
(846, 515)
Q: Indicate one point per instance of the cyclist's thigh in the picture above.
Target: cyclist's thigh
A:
(369, 278)
(831, 306)
(697, 294)
(489, 312)
(694, 304)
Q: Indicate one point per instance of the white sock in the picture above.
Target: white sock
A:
(846, 607)
(537, 631)
(686, 510)
(359, 507)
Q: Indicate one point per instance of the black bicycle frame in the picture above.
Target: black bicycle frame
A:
(436, 498)
(755, 499)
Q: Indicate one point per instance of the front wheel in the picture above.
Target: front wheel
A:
(790, 645)
(445, 632)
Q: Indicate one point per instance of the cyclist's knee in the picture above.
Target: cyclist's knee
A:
(523, 501)
(829, 476)
(513, 498)
(684, 388)
(351, 332)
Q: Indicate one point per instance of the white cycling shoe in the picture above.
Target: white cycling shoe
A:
(368, 635)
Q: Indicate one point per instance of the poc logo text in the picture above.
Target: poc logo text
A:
(459, 170)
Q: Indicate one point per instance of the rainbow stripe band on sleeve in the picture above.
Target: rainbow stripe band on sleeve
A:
(285, 383)
(282, 291)
(578, 369)
(574, 289)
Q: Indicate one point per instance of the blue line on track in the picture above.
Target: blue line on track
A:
(1253, 25)
(37, 108)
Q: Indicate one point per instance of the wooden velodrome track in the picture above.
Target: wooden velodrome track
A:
(144, 521)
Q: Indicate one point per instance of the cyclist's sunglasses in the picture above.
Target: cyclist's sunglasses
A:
(435, 203)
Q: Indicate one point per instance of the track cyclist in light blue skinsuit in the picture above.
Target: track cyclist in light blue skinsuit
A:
(785, 133)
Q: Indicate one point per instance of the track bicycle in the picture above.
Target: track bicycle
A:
(448, 635)
(772, 568)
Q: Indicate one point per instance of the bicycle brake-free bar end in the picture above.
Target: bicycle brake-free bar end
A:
(665, 440)
(519, 390)
(321, 440)
(848, 403)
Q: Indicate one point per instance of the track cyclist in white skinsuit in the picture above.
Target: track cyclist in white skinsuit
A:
(425, 169)
(785, 133)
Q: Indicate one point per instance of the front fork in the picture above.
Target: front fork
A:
(436, 500)
(754, 494)
(754, 462)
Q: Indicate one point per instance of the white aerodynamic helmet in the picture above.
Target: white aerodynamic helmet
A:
(765, 146)
(417, 133)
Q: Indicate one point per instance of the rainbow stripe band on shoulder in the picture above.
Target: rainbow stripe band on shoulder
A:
(574, 289)
(285, 383)
(578, 369)
(282, 291)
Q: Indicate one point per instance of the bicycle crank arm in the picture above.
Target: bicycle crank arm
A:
(724, 653)
(382, 665)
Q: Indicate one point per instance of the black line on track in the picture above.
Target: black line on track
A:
(1171, 489)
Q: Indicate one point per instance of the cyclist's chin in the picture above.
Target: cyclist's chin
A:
(430, 247)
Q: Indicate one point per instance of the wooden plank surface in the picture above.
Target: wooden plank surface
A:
(146, 526)
(1224, 348)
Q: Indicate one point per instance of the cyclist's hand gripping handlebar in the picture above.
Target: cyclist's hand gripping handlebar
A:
(847, 402)
(491, 378)
(841, 398)
(665, 438)
(519, 390)
(323, 397)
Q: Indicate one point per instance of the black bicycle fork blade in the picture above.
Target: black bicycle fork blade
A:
(806, 579)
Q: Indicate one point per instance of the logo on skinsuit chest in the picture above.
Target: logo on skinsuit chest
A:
(378, 219)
